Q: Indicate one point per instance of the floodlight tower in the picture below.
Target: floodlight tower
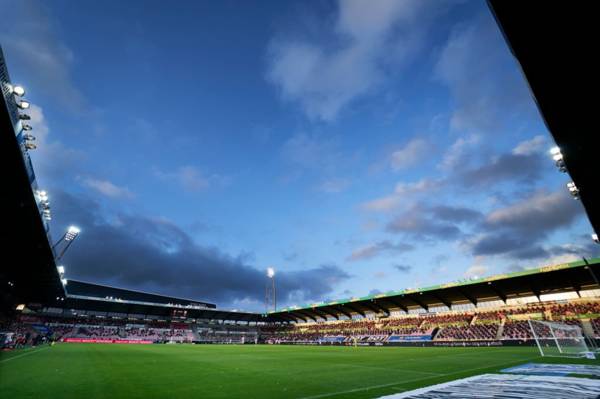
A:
(70, 235)
(270, 292)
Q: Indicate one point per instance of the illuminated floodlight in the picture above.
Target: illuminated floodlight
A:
(595, 238)
(270, 272)
(18, 91)
(61, 269)
(72, 233)
(63, 281)
(557, 157)
(24, 104)
(43, 196)
(573, 190)
(555, 150)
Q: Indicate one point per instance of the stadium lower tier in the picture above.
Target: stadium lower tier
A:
(489, 325)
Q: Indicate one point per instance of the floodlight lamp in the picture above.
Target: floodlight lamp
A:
(61, 269)
(63, 281)
(18, 91)
(30, 146)
(74, 230)
(24, 117)
(270, 272)
(29, 137)
(27, 127)
(557, 157)
(24, 104)
(595, 238)
(555, 150)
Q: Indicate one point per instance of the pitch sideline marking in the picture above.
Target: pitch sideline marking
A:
(400, 383)
(23, 354)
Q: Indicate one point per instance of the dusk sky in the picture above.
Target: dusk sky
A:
(355, 146)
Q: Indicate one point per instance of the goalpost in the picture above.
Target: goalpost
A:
(559, 339)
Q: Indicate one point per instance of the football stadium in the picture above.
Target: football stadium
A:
(526, 332)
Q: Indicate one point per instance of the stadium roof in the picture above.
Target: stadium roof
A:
(100, 298)
(162, 310)
(28, 271)
(553, 43)
(575, 276)
(80, 289)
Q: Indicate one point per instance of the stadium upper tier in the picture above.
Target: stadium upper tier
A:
(574, 276)
(83, 290)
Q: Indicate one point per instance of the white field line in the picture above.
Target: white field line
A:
(23, 354)
(399, 383)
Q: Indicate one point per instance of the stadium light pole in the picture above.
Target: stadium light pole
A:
(70, 235)
(271, 275)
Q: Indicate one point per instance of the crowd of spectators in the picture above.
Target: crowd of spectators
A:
(517, 329)
(473, 332)
(128, 333)
(500, 323)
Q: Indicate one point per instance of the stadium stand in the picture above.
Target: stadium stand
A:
(491, 321)
(503, 323)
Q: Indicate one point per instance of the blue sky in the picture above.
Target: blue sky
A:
(354, 146)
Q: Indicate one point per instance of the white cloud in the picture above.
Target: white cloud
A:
(478, 269)
(377, 249)
(383, 204)
(529, 147)
(402, 192)
(457, 153)
(538, 212)
(108, 188)
(324, 78)
(409, 155)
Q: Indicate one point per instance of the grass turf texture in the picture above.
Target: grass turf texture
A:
(89, 371)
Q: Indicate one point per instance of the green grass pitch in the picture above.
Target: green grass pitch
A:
(89, 371)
